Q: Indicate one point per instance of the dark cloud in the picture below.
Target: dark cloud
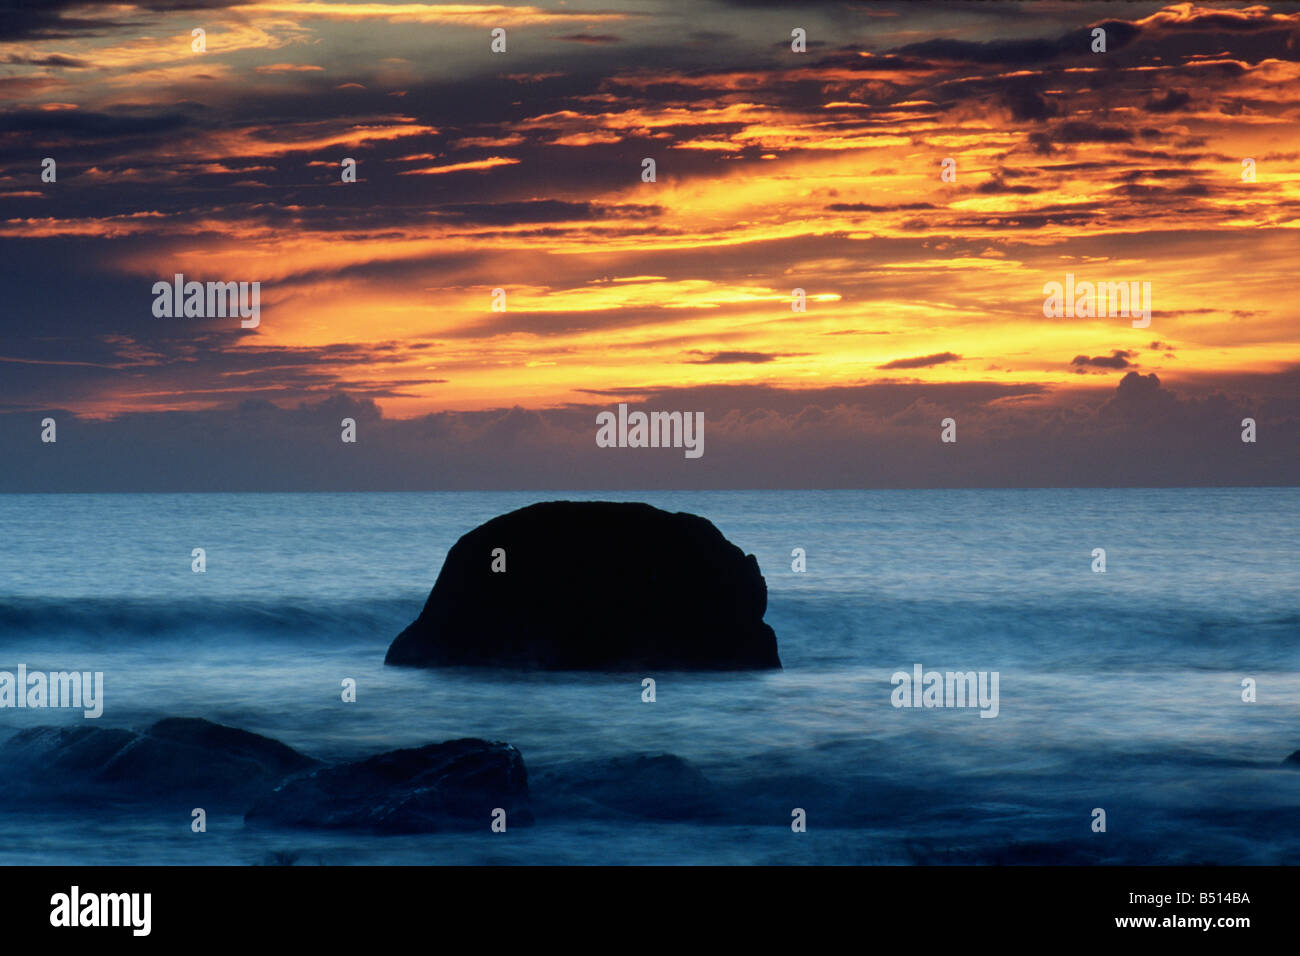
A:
(60, 19)
(871, 207)
(1158, 174)
(1022, 52)
(1072, 132)
(1140, 397)
(53, 59)
(1001, 52)
(545, 210)
(1117, 359)
(1171, 102)
(589, 38)
(734, 358)
(997, 186)
(922, 361)
(1028, 103)
(82, 124)
(1150, 192)
(50, 19)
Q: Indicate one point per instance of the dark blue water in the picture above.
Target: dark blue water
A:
(1119, 690)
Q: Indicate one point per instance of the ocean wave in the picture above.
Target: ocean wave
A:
(151, 619)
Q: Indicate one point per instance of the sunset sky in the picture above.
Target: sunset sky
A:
(776, 170)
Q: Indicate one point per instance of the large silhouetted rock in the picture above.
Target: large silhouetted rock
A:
(456, 785)
(594, 585)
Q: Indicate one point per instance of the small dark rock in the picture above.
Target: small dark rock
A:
(454, 785)
(190, 753)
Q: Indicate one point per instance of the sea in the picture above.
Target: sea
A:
(1163, 691)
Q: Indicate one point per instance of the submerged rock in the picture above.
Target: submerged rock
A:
(593, 585)
(456, 785)
(653, 786)
(178, 755)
